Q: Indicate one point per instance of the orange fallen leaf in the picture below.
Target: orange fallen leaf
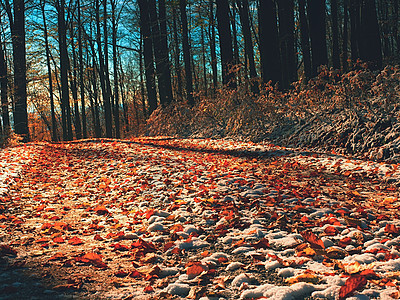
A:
(352, 284)
(314, 241)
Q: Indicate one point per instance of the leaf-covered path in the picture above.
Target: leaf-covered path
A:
(171, 219)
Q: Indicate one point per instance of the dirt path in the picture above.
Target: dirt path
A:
(191, 219)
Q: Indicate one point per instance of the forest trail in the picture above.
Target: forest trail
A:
(168, 218)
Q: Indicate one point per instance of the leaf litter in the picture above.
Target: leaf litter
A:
(164, 218)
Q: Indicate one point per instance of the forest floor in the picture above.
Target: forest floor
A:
(163, 218)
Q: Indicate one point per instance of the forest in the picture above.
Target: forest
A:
(78, 69)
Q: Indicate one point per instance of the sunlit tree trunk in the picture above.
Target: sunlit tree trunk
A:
(62, 40)
(54, 135)
(73, 85)
(105, 90)
(81, 80)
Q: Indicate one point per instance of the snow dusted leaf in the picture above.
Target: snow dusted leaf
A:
(101, 210)
(314, 241)
(352, 284)
(392, 229)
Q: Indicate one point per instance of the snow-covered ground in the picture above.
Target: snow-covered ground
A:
(212, 219)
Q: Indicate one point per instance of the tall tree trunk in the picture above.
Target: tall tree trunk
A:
(335, 35)
(269, 42)
(103, 75)
(395, 4)
(370, 42)
(19, 58)
(203, 59)
(115, 67)
(316, 15)
(213, 51)
(81, 80)
(186, 53)
(225, 41)
(176, 54)
(148, 55)
(345, 54)
(95, 104)
(4, 90)
(165, 63)
(54, 135)
(286, 31)
(62, 40)
(305, 40)
(354, 29)
(123, 98)
(73, 85)
(236, 58)
(248, 43)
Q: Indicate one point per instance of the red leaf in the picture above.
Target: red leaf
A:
(57, 256)
(75, 241)
(195, 270)
(352, 283)
(390, 228)
(344, 242)
(59, 240)
(314, 241)
(148, 289)
(330, 230)
(101, 210)
(261, 244)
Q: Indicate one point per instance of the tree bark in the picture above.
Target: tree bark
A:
(345, 54)
(54, 135)
(225, 41)
(335, 35)
(4, 90)
(213, 51)
(19, 58)
(105, 90)
(248, 43)
(305, 40)
(286, 32)
(370, 42)
(148, 55)
(115, 67)
(269, 42)
(176, 55)
(316, 15)
(186, 53)
(81, 80)
(62, 40)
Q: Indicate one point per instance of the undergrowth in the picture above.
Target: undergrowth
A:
(327, 101)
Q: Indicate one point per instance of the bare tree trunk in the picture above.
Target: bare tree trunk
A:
(316, 16)
(248, 43)
(148, 55)
(62, 40)
(225, 40)
(186, 53)
(103, 75)
(305, 39)
(4, 90)
(176, 54)
(345, 54)
(73, 85)
(17, 24)
(213, 51)
(115, 66)
(81, 81)
(269, 43)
